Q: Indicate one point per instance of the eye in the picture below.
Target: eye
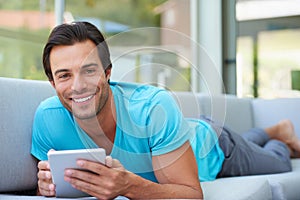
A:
(90, 71)
(64, 76)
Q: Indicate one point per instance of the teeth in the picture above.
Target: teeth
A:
(82, 99)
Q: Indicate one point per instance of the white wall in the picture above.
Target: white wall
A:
(206, 32)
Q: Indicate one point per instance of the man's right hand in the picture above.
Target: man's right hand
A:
(45, 184)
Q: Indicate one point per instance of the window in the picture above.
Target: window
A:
(268, 46)
(24, 26)
(149, 40)
(146, 38)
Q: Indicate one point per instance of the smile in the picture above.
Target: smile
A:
(80, 100)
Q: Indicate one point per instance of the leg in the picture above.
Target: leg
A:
(257, 136)
(262, 138)
(285, 132)
(243, 157)
(278, 148)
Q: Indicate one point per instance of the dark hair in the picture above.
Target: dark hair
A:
(69, 34)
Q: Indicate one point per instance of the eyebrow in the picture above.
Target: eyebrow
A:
(60, 71)
(82, 67)
(89, 65)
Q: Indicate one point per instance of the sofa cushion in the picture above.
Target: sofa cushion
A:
(15, 197)
(279, 186)
(286, 185)
(18, 101)
(237, 188)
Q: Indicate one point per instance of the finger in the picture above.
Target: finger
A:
(44, 175)
(44, 165)
(46, 188)
(81, 184)
(79, 177)
(113, 163)
(91, 189)
(88, 182)
(95, 167)
(117, 164)
(108, 161)
(47, 193)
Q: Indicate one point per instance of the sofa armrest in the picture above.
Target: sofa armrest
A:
(18, 102)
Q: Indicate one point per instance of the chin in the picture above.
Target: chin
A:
(84, 116)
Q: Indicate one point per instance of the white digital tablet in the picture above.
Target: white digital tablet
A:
(61, 160)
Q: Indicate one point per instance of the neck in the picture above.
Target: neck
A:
(102, 128)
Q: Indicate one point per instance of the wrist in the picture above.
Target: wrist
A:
(138, 187)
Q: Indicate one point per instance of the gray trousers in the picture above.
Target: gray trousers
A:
(250, 153)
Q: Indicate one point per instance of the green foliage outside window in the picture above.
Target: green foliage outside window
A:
(21, 48)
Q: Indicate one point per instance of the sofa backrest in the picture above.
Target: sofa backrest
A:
(233, 112)
(269, 112)
(18, 101)
(240, 114)
(229, 110)
(188, 103)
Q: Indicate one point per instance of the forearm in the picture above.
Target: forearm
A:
(141, 188)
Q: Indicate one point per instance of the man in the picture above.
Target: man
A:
(151, 147)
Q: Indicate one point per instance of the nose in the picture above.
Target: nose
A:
(79, 84)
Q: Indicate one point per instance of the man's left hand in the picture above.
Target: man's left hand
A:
(101, 181)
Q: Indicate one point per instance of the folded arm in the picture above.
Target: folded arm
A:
(176, 172)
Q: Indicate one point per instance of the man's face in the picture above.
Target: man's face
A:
(79, 78)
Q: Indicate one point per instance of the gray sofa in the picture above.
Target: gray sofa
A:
(19, 99)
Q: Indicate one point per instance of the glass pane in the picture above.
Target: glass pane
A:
(262, 9)
(149, 40)
(24, 27)
(271, 40)
(244, 67)
(278, 55)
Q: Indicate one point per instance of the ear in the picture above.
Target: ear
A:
(52, 83)
(108, 73)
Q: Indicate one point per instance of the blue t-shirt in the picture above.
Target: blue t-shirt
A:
(149, 123)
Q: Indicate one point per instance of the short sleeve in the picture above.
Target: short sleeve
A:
(40, 141)
(168, 128)
(53, 128)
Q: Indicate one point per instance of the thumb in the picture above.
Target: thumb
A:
(51, 150)
(113, 163)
